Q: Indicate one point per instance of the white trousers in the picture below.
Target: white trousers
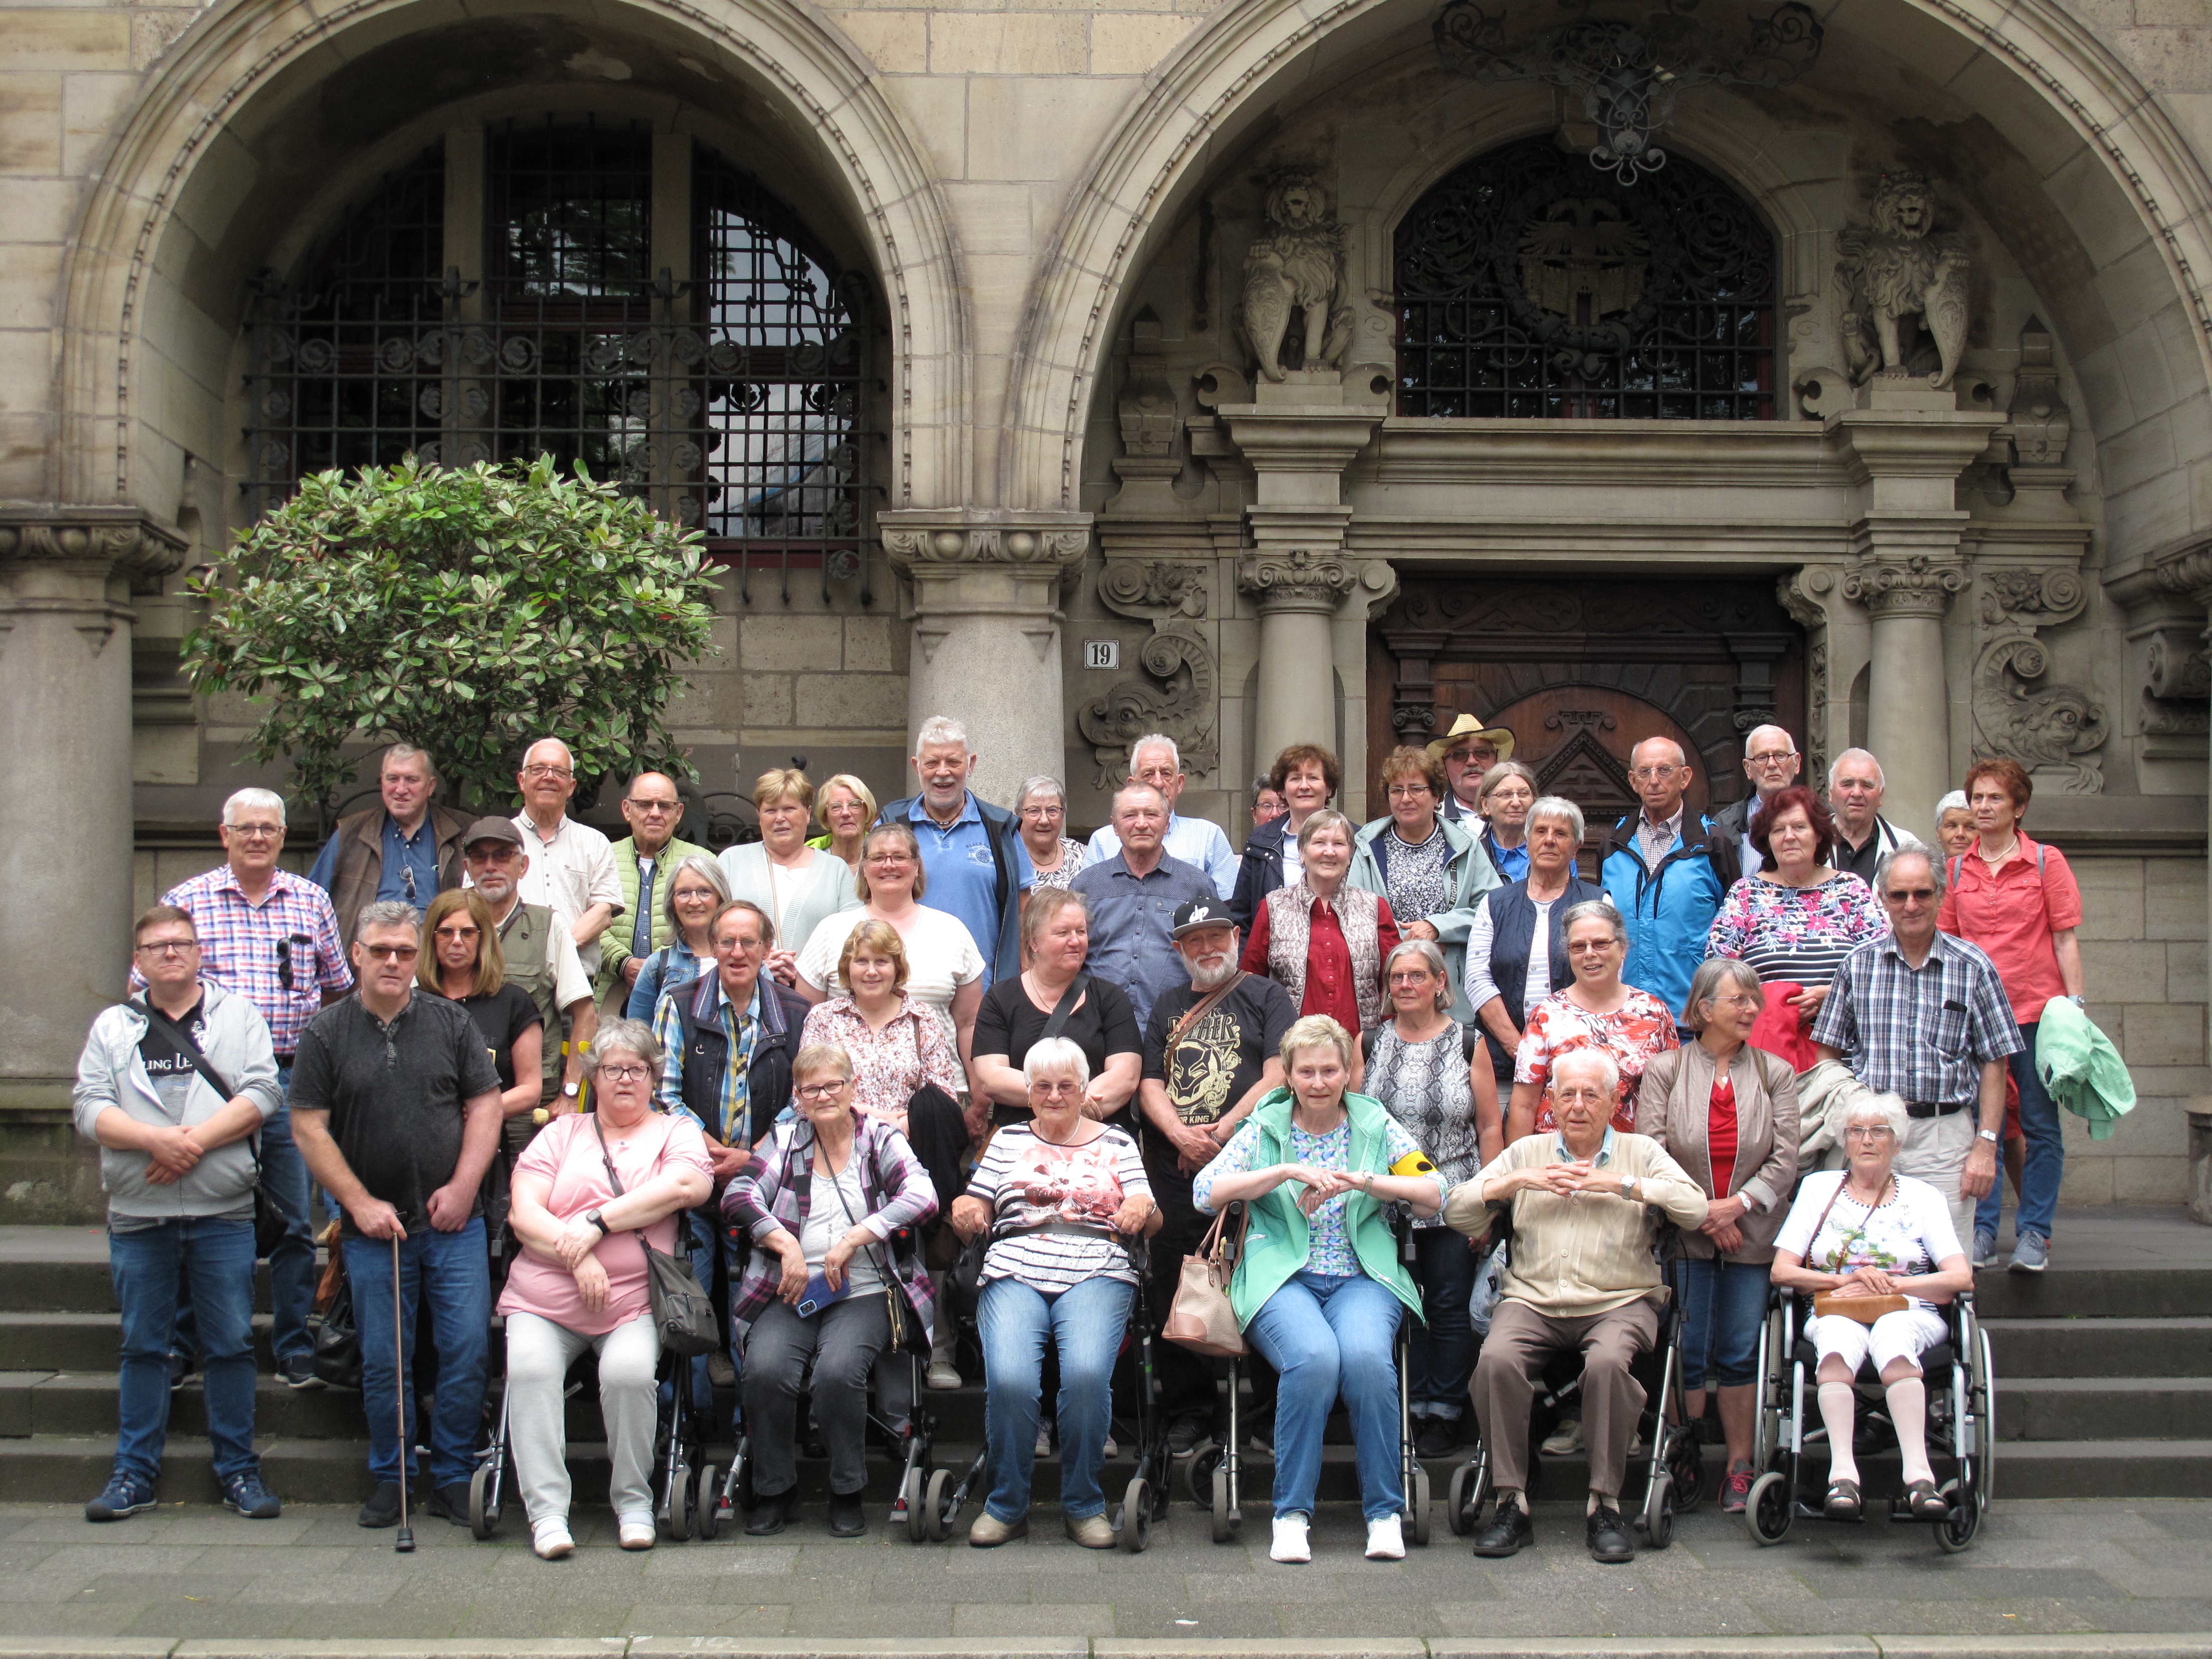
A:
(538, 1355)
(1905, 1334)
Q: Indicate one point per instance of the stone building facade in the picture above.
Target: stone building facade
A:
(1268, 370)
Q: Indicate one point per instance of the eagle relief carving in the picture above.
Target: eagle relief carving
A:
(1298, 266)
(1902, 269)
(1582, 260)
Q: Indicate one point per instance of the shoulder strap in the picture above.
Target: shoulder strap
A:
(994, 833)
(184, 1044)
(1197, 1010)
(1957, 859)
(1063, 1009)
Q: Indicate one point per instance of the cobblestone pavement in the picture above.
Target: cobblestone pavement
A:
(191, 1572)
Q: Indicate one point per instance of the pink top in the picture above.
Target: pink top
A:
(566, 1153)
(2011, 913)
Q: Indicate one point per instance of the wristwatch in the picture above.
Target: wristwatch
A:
(1989, 1135)
(598, 1221)
(1629, 1183)
(569, 1090)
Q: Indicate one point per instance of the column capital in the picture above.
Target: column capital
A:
(1914, 585)
(1299, 579)
(115, 535)
(920, 539)
(2185, 567)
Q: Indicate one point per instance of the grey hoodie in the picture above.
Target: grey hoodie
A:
(109, 1073)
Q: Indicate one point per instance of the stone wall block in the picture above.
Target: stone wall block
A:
(1019, 128)
(2151, 1180)
(767, 700)
(2157, 1035)
(1132, 43)
(91, 106)
(897, 42)
(66, 38)
(2173, 898)
(2087, 1180)
(1008, 43)
(2112, 899)
(875, 702)
(872, 645)
(789, 642)
(30, 123)
(2184, 971)
(2126, 970)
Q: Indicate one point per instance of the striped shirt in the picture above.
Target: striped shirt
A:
(1924, 1032)
(1051, 1207)
(255, 949)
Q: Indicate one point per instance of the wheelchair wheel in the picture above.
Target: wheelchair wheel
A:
(1985, 1424)
(1658, 1518)
(1417, 1502)
(675, 1514)
(1686, 1461)
(483, 1506)
(1957, 1530)
(707, 1516)
(937, 1505)
(1463, 1507)
(1766, 1511)
(1197, 1472)
(1136, 1523)
(914, 1493)
(1225, 1521)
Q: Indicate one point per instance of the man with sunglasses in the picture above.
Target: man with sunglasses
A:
(271, 937)
(405, 849)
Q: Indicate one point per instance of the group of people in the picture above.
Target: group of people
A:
(959, 1029)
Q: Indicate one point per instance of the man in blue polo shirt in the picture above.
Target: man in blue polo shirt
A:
(971, 853)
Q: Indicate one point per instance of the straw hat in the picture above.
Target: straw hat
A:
(1467, 726)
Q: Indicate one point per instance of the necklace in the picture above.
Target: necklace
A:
(1996, 858)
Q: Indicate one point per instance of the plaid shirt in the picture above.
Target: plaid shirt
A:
(292, 934)
(1922, 1033)
(742, 1030)
(774, 1190)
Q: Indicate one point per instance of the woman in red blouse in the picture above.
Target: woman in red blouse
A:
(1322, 942)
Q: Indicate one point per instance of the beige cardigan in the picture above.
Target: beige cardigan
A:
(1672, 1105)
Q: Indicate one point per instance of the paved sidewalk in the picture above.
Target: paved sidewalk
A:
(190, 1573)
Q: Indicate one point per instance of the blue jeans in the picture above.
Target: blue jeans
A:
(1443, 1344)
(291, 1271)
(205, 1264)
(1724, 1304)
(449, 1272)
(1328, 1336)
(2045, 1164)
(1086, 1323)
(709, 1248)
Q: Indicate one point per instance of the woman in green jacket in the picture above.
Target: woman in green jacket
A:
(1319, 1289)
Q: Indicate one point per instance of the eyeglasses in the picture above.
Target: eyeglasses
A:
(625, 1073)
(1412, 977)
(1655, 774)
(1739, 1000)
(1867, 1131)
(392, 952)
(1041, 813)
(407, 880)
(1054, 1091)
(890, 858)
(656, 806)
(539, 770)
(1907, 895)
(1773, 760)
(1406, 791)
(285, 957)
(822, 1090)
(459, 935)
(255, 831)
(167, 947)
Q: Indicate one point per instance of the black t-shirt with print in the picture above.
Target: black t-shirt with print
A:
(166, 1068)
(1217, 1060)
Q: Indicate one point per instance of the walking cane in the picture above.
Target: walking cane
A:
(404, 1543)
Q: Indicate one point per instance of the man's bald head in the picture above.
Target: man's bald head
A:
(1661, 772)
(652, 807)
(1770, 760)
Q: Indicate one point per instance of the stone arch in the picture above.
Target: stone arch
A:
(807, 74)
(1237, 70)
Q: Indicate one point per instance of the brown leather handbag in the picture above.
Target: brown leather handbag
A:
(1200, 1318)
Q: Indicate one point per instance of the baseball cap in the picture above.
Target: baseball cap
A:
(1199, 913)
(492, 829)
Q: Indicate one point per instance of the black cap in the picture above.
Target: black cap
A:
(492, 829)
(1201, 913)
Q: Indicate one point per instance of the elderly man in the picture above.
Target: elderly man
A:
(572, 866)
(1213, 1049)
(645, 859)
(1468, 750)
(398, 1112)
(973, 861)
(1923, 1015)
(1133, 896)
(1583, 1277)
(1198, 842)
(1771, 762)
(270, 936)
(541, 957)
(1666, 875)
(406, 849)
(171, 1086)
(1863, 837)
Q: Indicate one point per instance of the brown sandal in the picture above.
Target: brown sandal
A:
(1924, 1501)
(1843, 1501)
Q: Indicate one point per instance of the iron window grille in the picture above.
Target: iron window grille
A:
(1531, 285)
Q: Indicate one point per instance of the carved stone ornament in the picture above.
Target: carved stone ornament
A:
(1914, 587)
(119, 535)
(1147, 408)
(2040, 420)
(1298, 266)
(1804, 594)
(915, 548)
(2042, 599)
(1179, 696)
(2050, 730)
(1900, 279)
(1301, 580)
(1152, 588)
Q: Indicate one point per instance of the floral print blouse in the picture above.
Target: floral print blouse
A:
(890, 1065)
(1633, 1033)
(1798, 934)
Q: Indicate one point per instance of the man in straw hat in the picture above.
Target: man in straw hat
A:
(1468, 750)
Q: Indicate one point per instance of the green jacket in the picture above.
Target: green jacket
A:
(614, 943)
(1469, 874)
(1276, 1241)
(2081, 1069)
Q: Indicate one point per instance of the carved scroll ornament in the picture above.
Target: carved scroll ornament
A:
(1180, 693)
(2053, 728)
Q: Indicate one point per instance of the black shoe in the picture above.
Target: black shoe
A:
(1509, 1531)
(180, 1371)
(382, 1508)
(769, 1515)
(450, 1500)
(1185, 1432)
(1438, 1436)
(299, 1372)
(847, 1519)
(1609, 1543)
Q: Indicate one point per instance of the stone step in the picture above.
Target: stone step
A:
(2058, 1408)
(85, 1341)
(2100, 1347)
(2093, 1292)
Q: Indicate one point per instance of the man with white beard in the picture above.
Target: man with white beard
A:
(1213, 1049)
(541, 957)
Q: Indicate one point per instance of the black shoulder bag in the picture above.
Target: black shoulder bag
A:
(682, 1312)
(269, 1228)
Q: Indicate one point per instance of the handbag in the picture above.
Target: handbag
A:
(1201, 1317)
(269, 1224)
(337, 1340)
(1489, 1286)
(683, 1314)
(1863, 1308)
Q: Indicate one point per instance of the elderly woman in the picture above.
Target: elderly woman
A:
(590, 1188)
(845, 808)
(1041, 808)
(1727, 1113)
(1433, 871)
(2016, 899)
(1016, 1012)
(821, 1201)
(1796, 919)
(1420, 1066)
(1319, 1289)
(1954, 825)
(461, 960)
(1516, 951)
(1865, 1230)
(1595, 1011)
(1063, 1197)
(1305, 777)
(1266, 802)
(696, 892)
(1322, 940)
(796, 886)
(1509, 790)
(943, 969)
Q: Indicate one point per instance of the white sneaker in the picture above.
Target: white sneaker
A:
(1044, 1436)
(1290, 1543)
(1566, 1440)
(1108, 1449)
(941, 1375)
(636, 1534)
(1385, 1542)
(550, 1539)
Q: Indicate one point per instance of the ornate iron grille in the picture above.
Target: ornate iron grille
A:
(1531, 285)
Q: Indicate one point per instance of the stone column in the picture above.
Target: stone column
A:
(1297, 593)
(987, 621)
(2186, 568)
(65, 836)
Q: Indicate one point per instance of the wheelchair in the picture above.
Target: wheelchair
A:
(1961, 1424)
(935, 1513)
(1674, 1472)
(1213, 1473)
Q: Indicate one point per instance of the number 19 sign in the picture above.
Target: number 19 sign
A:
(1102, 653)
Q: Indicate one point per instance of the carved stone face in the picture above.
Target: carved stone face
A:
(1903, 208)
(1295, 204)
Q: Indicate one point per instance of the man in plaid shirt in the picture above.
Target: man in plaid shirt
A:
(1923, 1015)
(270, 936)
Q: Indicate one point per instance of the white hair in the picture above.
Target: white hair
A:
(1555, 807)
(1956, 801)
(1155, 740)
(1887, 1110)
(1609, 1068)
(939, 728)
(1044, 784)
(1056, 1054)
(267, 800)
(1836, 766)
(567, 755)
(1750, 737)
(410, 751)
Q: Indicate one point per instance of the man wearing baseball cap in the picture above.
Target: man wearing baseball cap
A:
(1468, 750)
(541, 957)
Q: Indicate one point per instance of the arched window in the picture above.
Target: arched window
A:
(718, 367)
(1532, 285)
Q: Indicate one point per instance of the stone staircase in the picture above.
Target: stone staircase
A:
(2103, 1385)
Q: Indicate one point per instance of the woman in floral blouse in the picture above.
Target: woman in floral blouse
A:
(896, 1044)
(1595, 1011)
(1795, 919)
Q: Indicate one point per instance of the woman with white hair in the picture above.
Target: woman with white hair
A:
(1955, 834)
(1040, 809)
(1864, 1232)
(1063, 1197)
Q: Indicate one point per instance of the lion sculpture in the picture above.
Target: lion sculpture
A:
(1298, 266)
(1901, 270)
